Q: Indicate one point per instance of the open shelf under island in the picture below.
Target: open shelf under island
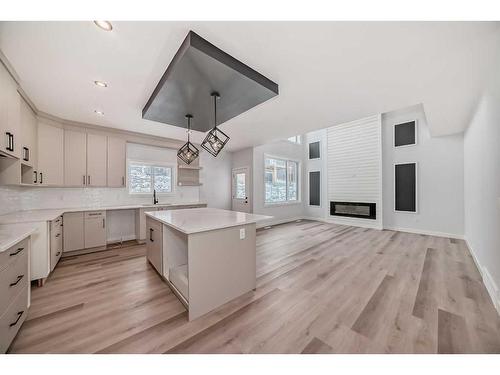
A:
(206, 255)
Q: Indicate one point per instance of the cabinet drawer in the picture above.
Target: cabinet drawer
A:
(12, 280)
(15, 252)
(93, 214)
(55, 225)
(12, 319)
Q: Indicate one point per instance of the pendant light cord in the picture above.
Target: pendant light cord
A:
(215, 111)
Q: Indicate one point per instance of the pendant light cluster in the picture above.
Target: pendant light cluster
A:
(188, 153)
(214, 142)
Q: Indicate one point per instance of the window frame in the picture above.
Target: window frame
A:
(416, 212)
(394, 133)
(299, 177)
(309, 150)
(172, 166)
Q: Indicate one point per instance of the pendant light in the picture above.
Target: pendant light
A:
(216, 139)
(188, 153)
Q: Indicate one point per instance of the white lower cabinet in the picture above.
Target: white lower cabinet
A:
(95, 229)
(56, 241)
(73, 237)
(14, 291)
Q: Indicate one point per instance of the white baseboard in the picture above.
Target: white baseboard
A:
(119, 239)
(488, 280)
(270, 223)
(427, 232)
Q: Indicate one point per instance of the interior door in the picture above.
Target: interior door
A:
(240, 190)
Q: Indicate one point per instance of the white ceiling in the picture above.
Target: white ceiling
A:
(328, 72)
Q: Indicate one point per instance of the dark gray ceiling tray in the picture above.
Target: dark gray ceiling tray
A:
(198, 69)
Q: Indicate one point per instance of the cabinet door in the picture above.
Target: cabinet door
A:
(96, 160)
(28, 135)
(50, 154)
(116, 162)
(73, 231)
(75, 158)
(95, 229)
(154, 244)
(10, 112)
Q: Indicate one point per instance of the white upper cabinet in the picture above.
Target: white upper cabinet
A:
(116, 162)
(96, 160)
(50, 155)
(75, 158)
(10, 102)
(28, 135)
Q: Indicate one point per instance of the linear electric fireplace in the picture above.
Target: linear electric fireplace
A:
(354, 209)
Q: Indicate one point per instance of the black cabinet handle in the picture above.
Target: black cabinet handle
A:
(103, 223)
(19, 314)
(19, 278)
(10, 146)
(36, 177)
(17, 251)
(26, 156)
(41, 177)
(84, 179)
(58, 234)
(151, 234)
(57, 254)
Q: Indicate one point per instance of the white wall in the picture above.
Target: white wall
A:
(244, 158)
(354, 167)
(440, 186)
(316, 212)
(216, 179)
(280, 212)
(482, 187)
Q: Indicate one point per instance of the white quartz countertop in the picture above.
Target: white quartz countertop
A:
(12, 234)
(32, 216)
(197, 220)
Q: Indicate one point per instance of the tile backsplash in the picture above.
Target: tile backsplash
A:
(28, 198)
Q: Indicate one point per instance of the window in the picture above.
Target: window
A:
(240, 186)
(281, 180)
(295, 139)
(405, 134)
(143, 178)
(314, 188)
(405, 187)
(314, 150)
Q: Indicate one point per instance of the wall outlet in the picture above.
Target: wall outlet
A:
(242, 233)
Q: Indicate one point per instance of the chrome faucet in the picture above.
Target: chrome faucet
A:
(155, 200)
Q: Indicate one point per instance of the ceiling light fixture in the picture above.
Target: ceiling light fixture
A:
(100, 84)
(216, 139)
(100, 113)
(188, 153)
(105, 25)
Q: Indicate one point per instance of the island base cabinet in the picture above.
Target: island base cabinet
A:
(221, 267)
(154, 244)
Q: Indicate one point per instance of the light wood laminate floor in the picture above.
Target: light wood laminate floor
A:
(321, 288)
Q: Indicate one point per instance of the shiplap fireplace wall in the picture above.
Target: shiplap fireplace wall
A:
(354, 167)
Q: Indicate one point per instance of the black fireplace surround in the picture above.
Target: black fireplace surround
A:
(359, 210)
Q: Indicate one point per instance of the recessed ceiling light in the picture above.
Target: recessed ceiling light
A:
(100, 83)
(100, 113)
(105, 25)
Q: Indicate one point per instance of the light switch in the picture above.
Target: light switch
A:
(242, 233)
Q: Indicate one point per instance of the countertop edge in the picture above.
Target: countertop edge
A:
(251, 221)
(17, 237)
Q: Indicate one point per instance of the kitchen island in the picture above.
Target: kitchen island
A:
(207, 256)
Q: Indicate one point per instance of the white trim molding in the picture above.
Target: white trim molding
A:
(488, 280)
